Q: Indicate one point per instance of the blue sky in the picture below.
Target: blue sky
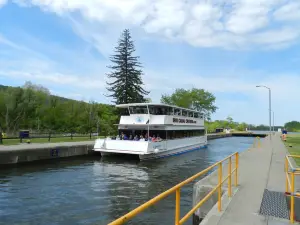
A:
(226, 47)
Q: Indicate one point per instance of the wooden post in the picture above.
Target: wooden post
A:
(1, 138)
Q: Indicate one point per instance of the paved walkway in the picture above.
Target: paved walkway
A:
(260, 169)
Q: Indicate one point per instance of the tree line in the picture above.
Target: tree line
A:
(32, 107)
(230, 123)
(292, 126)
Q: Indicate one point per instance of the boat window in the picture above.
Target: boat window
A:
(165, 111)
(124, 112)
(160, 110)
(138, 110)
(190, 114)
(196, 115)
(155, 110)
(184, 113)
(177, 134)
(170, 111)
(177, 112)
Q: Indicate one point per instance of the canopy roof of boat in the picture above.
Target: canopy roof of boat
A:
(154, 104)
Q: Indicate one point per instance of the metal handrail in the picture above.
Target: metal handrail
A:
(290, 170)
(177, 187)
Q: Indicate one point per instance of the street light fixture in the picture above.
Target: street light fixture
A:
(270, 109)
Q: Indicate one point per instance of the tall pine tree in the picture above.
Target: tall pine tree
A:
(126, 76)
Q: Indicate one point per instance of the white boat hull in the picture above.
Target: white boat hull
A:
(150, 150)
(172, 152)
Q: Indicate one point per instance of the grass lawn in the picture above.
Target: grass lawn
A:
(294, 141)
(45, 140)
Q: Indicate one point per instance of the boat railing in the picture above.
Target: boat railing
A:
(291, 171)
(176, 189)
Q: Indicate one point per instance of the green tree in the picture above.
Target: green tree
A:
(197, 99)
(241, 127)
(126, 85)
(33, 107)
(292, 126)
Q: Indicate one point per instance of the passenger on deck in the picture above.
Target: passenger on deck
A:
(136, 138)
(149, 138)
(130, 137)
(125, 137)
(118, 137)
(158, 138)
(153, 139)
(142, 138)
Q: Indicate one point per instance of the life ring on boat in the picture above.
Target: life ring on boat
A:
(156, 150)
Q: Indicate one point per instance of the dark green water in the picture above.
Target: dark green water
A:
(91, 190)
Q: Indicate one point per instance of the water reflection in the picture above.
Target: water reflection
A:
(96, 191)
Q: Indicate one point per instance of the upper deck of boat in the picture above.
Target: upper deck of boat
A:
(159, 109)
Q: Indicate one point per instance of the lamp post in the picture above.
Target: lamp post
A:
(273, 122)
(270, 109)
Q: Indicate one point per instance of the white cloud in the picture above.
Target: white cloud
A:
(56, 79)
(215, 23)
(2, 2)
(288, 12)
(276, 36)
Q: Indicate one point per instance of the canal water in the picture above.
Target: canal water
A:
(91, 190)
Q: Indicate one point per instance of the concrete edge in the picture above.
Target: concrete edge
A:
(285, 221)
(214, 216)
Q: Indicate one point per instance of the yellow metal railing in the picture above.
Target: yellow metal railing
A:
(177, 188)
(290, 172)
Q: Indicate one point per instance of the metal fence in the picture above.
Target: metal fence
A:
(48, 136)
(291, 171)
(176, 190)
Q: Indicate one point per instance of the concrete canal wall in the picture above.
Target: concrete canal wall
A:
(216, 136)
(32, 152)
(206, 185)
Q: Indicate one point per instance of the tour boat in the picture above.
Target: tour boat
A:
(155, 131)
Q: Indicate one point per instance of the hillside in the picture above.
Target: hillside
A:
(33, 107)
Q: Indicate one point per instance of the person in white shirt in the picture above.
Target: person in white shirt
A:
(142, 138)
